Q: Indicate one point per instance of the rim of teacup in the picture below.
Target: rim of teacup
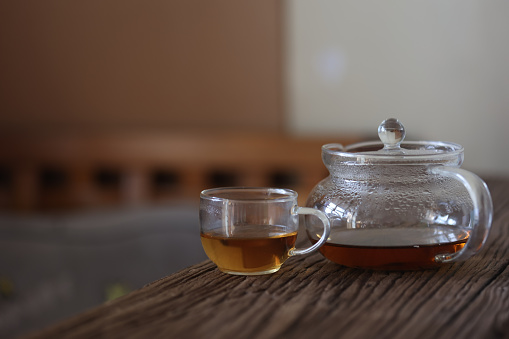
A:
(249, 194)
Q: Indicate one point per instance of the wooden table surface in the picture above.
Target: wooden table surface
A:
(311, 297)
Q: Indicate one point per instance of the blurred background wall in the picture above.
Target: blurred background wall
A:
(440, 67)
(159, 65)
(327, 68)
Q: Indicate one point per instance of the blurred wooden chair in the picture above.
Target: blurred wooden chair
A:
(69, 172)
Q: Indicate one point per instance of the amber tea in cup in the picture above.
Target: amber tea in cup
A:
(251, 231)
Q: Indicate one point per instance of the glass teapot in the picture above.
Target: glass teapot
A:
(399, 205)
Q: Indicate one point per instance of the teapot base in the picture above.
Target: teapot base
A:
(343, 248)
(389, 258)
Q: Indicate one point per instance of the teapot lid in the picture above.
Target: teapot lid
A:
(393, 150)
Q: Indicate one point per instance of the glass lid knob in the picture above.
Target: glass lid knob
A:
(391, 132)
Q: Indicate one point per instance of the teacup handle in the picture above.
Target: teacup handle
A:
(326, 229)
(481, 216)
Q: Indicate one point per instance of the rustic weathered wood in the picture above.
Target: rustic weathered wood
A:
(311, 297)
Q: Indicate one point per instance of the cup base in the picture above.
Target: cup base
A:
(250, 273)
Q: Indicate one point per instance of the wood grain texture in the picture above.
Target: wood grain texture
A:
(311, 297)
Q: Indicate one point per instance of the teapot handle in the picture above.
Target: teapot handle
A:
(481, 215)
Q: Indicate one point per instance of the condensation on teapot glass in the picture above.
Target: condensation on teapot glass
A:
(399, 204)
(391, 132)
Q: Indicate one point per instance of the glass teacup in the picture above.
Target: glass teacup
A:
(252, 231)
